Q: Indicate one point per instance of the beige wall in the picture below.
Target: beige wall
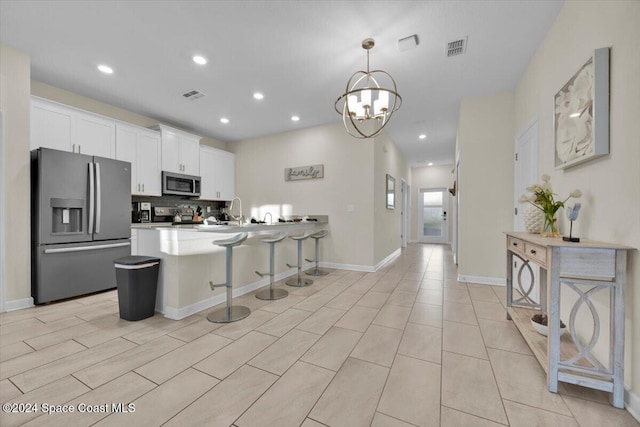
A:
(429, 177)
(14, 103)
(62, 96)
(387, 222)
(349, 183)
(611, 185)
(485, 187)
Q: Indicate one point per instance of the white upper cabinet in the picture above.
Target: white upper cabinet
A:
(180, 151)
(95, 136)
(51, 125)
(65, 128)
(217, 170)
(141, 147)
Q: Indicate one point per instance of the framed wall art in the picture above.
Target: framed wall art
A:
(581, 113)
(391, 192)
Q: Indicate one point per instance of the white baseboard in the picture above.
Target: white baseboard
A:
(365, 268)
(632, 403)
(19, 304)
(482, 280)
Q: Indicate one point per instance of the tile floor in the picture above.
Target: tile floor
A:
(405, 346)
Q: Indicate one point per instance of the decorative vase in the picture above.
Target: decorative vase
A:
(550, 226)
(533, 220)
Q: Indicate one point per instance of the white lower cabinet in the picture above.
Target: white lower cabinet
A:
(134, 241)
(141, 147)
(217, 172)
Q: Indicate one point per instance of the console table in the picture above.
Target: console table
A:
(577, 272)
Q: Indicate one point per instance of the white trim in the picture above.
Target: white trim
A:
(632, 403)
(3, 248)
(19, 304)
(353, 267)
(482, 280)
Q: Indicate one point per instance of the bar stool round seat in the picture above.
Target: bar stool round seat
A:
(299, 281)
(317, 271)
(272, 293)
(230, 313)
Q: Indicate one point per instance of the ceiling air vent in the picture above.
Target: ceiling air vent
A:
(457, 47)
(193, 95)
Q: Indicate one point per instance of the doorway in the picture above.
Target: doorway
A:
(433, 205)
(525, 174)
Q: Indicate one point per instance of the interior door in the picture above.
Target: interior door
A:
(525, 174)
(432, 213)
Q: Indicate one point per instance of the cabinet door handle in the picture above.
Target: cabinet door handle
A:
(515, 244)
(533, 251)
(143, 188)
(79, 151)
(138, 186)
(73, 149)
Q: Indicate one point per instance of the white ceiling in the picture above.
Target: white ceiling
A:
(300, 54)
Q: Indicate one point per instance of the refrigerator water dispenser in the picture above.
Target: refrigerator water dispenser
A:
(66, 216)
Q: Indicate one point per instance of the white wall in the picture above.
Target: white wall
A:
(354, 172)
(611, 185)
(387, 222)
(429, 177)
(485, 187)
(14, 102)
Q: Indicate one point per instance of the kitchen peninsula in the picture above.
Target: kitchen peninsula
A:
(190, 260)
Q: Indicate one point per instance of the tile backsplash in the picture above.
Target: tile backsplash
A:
(180, 202)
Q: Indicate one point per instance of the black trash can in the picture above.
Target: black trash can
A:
(137, 279)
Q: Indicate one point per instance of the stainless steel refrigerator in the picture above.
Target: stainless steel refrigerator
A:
(80, 222)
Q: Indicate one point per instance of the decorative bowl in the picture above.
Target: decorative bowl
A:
(539, 323)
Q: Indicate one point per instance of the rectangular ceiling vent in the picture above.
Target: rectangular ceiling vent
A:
(457, 47)
(193, 94)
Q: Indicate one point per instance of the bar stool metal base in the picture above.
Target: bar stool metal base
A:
(315, 271)
(298, 282)
(271, 294)
(229, 314)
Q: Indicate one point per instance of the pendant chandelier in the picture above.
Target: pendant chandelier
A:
(366, 106)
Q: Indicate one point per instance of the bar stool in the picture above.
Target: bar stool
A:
(299, 281)
(272, 293)
(229, 313)
(317, 271)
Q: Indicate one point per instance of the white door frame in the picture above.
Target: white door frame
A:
(405, 212)
(445, 229)
(3, 248)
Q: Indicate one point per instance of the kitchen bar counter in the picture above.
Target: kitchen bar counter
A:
(190, 260)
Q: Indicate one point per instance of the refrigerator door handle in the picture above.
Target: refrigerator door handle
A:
(91, 198)
(86, 248)
(98, 199)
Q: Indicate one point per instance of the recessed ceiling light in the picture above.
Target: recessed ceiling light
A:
(258, 95)
(224, 120)
(105, 69)
(295, 118)
(574, 115)
(200, 60)
(423, 136)
(430, 164)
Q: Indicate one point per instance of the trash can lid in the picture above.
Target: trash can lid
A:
(136, 260)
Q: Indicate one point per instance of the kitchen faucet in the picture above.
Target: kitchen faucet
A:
(239, 217)
(270, 217)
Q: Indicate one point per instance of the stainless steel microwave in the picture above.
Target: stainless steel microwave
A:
(177, 184)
